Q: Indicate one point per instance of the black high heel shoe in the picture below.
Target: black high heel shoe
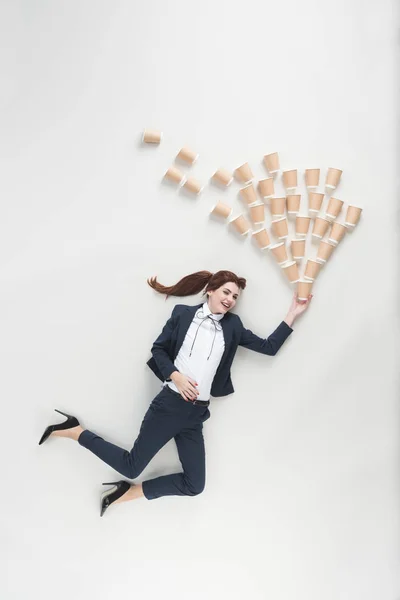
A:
(68, 424)
(110, 496)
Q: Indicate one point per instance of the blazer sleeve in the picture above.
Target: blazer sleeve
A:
(161, 347)
(270, 345)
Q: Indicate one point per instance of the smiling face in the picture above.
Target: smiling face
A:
(223, 299)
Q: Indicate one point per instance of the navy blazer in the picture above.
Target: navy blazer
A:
(166, 347)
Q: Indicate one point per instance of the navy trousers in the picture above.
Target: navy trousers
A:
(169, 416)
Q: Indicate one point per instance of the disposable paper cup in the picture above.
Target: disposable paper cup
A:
(280, 228)
(315, 202)
(262, 238)
(271, 161)
(280, 253)
(334, 208)
(222, 210)
(152, 136)
(332, 178)
(325, 249)
(257, 213)
(293, 203)
(320, 227)
(244, 173)
(187, 155)
(192, 185)
(353, 216)
(290, 179)
(312, 178)
(223, 177)
(241, 224)
(298, 248)
(291, 271)
(266, 187)
(312, 269)
(302, 225)
(175, 175)
(278, 207)
(248, 194)
(304, 290)
(337, 233)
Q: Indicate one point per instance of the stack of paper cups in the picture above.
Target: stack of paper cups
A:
(175, 175)
(304, 290)
(241, 224)
(192, 185)
(266, 187)
(332, 178)
(221, 210)
(312, 269)
(280, 228)
(244, 173)
(337, 233)
(223, 177)
(334, 208)
(248, 194)
(293, 203)
(312, 178)
(315, 200)
(271, 161)
(279, 252)
(290, 180)
(278, 207)
(320, 227)
(352, 216)
(325, 249)
(187, 155)
(291, 271)
(298, 248)
(262, 238)
(257, 213)
(302, 225)
(151, 136)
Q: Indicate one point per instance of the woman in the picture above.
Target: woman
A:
(192, 356)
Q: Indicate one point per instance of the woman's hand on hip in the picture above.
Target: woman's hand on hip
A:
(186, 385)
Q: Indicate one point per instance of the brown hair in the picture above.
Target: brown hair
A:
(194, 283)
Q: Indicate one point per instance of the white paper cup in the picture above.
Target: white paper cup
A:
(325, 250)
(175, 175)
(332, 178)
(152, 136)
(266, 187)
(262, 238)
(241, 224)
(278, 207)
(257, 213)
(337, 233)
(289, 179)
(248, 194)
(271, 161)
(312, 269)
(315, 200)
(187, 155)
(298, 248)
(279, 252)
(192, 185)
(304, 290)
(333, 209)
(222, 210)
(320, 227)
(302, 225)
(291, 271)
(293, 203)
(244, 173)
(280, 228)
(312, 178)
(352, 216)
(223, 177)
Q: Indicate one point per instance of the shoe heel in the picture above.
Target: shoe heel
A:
(111, 483)
(63, 413)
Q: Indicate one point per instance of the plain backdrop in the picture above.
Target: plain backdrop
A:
(302, 494)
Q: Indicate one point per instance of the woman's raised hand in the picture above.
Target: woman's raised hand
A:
(297, 307)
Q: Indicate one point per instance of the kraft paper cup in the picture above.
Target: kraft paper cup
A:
(315, 200)
(279, 252)
(280, 228)
(332, 178)
(266, 187)
(352, 216)
(320, 227)
(278, 207)
(302, 225)
(325, 249)
(312, 269)
(241, 224)
(303, 290)
(262, 238)
(187, 155)
(244, 173)
(298, 248)
(290, 179)
(192, 185)
(257, 213)
(334, 208)
(248, 194)
(312, 178)
(221, 210)
(271, 161)
(152, 136)
(337, 233)
(291, 271)
(223, 177)
(175, 175)
(293, 203)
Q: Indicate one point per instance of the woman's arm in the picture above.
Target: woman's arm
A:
(161, 347)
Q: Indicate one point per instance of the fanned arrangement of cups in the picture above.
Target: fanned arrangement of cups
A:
(327, 229)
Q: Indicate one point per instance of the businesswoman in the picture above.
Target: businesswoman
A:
(192, 357)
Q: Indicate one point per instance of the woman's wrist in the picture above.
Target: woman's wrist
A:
(290, 318)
